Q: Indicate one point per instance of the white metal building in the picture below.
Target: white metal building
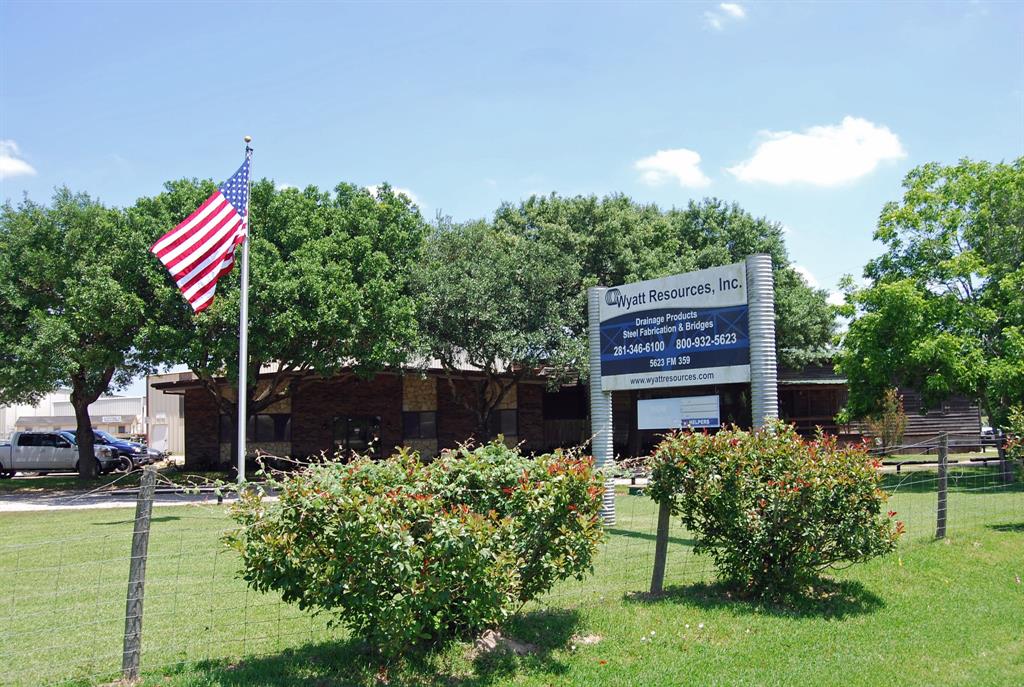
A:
(166, 414)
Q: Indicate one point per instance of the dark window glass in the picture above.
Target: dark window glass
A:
(262, 428)
(428, 425)
(227, 429)
(282, 427)
(27, 440)
(358, 434)
(504, 422)
(46, 440)
(419, 425)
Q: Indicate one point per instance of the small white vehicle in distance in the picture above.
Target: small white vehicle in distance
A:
(49, 452)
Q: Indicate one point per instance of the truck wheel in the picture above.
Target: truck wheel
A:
(6, 474)
(125, 465)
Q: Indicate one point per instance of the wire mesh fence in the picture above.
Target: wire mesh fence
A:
(65, 576)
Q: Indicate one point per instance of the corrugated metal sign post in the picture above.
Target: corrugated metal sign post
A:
(600, 404)
(764, 385)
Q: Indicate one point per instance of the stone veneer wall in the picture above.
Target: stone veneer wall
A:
(419, 394)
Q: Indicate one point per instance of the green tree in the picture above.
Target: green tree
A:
(493, 306)
(944, 312)
(890, 423)
(75, 286)
(616, 240)
(328, 290)
(721, 233)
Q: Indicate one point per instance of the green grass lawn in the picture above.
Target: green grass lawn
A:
(949, 612)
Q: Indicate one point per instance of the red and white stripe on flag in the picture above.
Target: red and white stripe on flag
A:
(201, 250)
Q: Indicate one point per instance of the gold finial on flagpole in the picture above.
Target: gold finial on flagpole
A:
(248, 139)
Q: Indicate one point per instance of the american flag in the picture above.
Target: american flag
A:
(201, 250)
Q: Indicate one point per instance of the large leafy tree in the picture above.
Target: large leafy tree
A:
(944, 312)
(328, 291)
(75, 286)
(616, 240)
(493, 306)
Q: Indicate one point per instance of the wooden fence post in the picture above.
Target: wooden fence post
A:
(661, 549)
(137, 578)
(940, 511)
(1005, 467)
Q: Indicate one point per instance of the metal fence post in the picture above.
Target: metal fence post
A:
(940, 511)
(661, 549)
(137, 578)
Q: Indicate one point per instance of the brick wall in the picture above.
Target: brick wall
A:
(455, 424)
(316, 404)
(531, 416)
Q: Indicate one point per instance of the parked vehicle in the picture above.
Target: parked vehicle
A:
(136, 453)
(50, 452)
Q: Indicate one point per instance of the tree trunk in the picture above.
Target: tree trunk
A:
(86, 457)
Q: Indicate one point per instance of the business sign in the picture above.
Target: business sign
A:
(110, 419)
(684, 330)
(689, 412)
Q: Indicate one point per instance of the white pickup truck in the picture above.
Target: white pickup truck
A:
(49, 452)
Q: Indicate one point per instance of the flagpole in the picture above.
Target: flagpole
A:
(243, 326)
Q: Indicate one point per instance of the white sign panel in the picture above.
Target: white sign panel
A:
(110, 419)
(691, 412)
(684, 330)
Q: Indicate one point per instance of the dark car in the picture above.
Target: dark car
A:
(136, 453)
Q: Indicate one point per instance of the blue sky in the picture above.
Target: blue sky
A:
(809, 114)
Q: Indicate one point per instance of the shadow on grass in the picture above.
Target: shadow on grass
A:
(352, 663)
(962, 479)
(829, 599)
(1017, 527)
(644, 535)
(162, 518)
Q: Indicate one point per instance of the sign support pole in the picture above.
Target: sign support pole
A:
(600, 404)
(764, 386)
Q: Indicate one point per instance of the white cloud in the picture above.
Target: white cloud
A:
(728, 12)
(713, 20)
(11, 164)
(679, 163)
(397, 190)
(733, 10)
(282, 186)
(821, 155)
(836, 298)
(808, 276)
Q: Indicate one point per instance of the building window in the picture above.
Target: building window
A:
(121, 429)
(265, 427)
(503, 422)
(357, 434)
(419, 425)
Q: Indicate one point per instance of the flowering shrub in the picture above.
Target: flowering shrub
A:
(402, 551)
(771, 509)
